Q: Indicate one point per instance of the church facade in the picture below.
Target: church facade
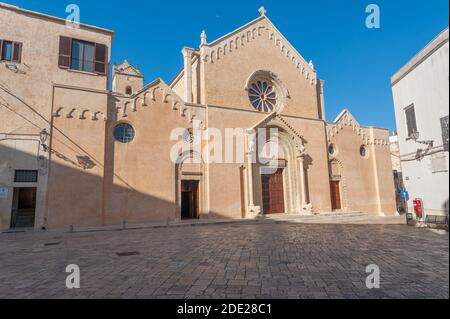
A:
(192, 148)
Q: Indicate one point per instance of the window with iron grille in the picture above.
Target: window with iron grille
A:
(444, 127)
(124, 133)
(25, 176)
(411, 120)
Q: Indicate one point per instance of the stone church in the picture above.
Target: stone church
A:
(104, 157)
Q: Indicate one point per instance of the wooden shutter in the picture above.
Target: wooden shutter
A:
(17, 52)
(411, 120)
(1, 49)
(65, 48)
(101, 55)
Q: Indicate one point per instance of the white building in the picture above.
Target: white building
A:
(421, 99)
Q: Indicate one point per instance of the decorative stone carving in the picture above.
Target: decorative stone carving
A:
(262, 11)
(203, 38)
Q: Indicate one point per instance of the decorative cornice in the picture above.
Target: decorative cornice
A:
(142, 99)
(227, 45)
(126, 68)
(81, 114)
(346, 119)
(277, 120)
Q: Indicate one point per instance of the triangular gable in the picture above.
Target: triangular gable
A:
(147, 94)
(262, 26)
(276, 120)
(345, 118)
(345, 115)
(127, 69)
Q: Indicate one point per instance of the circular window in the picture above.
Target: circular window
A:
(331, 149)
(263, 96)
(124, 133)
(363, 151)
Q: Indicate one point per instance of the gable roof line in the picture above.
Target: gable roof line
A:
(261, 18)
(44, 16)
(346, 110)
(289, 43)
(217, 41)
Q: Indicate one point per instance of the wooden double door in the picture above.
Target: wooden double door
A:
(273, 193)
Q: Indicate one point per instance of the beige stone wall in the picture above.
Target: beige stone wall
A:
(122, 81)
(367, 183)
(26, 92)
(141, 184)
(227, 201)
(95, 180)
(225, 78)
(75, 193)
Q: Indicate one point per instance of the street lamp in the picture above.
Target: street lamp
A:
(43, 136)
(415, 137)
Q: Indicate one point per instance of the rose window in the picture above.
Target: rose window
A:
(263, 96)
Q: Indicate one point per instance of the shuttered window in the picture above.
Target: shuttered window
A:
(10, 51)
(444, 128)
(101, 53)
(82, 55)
(411, 120)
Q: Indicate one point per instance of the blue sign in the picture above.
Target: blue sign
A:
(404, 194)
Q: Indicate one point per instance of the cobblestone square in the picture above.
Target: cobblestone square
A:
(241, 260)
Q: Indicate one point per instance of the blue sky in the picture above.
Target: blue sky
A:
(355, 62)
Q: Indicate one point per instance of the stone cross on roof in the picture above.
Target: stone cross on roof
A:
(262, 11)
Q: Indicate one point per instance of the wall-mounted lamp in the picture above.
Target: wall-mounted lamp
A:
(415, 137)
(43, 136)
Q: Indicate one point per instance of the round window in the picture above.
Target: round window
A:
(263, 96)
(124, 133)
(363, 151)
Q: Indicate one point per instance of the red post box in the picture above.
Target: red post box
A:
(418, 208)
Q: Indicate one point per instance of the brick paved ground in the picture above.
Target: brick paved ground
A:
(269, 260)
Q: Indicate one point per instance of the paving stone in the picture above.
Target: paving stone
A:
(282, 260)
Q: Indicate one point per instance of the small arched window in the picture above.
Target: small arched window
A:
(129, 90)
(332, 150)
(363, 151)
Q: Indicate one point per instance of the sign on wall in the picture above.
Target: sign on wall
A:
(3, 193)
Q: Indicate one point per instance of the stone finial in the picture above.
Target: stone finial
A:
(311, 64)
(204, 38)
(262, 11)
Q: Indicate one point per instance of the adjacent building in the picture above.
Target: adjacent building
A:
(75, 152)
(421, 99)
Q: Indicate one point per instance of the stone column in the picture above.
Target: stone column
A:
(320, 91)
(252, 209)
(187, 54)
(304, 202)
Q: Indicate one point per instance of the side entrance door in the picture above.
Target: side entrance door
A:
(335, 195)
(189, 200)
(23, 208)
